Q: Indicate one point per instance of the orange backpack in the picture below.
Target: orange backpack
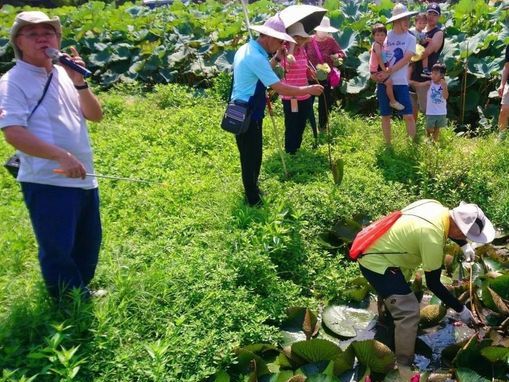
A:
(367, 237)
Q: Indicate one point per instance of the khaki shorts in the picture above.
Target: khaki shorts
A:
(419, 96)
(505, 96)
(436, 121)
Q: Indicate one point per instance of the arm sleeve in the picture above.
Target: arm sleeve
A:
(13, 105)
(435, 285)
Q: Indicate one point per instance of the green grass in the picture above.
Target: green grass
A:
(193, 273)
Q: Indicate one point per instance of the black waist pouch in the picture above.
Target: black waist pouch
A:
(237, 117)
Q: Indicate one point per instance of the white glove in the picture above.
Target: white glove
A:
(468, 252)
(466, 316)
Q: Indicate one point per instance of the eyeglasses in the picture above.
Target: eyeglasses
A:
(35, 35)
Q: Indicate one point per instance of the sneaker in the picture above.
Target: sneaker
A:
(396, 105)
(426, 73)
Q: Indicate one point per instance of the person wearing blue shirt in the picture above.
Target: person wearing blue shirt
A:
(252, 74)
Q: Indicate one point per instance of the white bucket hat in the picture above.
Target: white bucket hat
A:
(30, 18)
(399, 12)
(297, 29)
(471, 220)
(325, 26)
(273, 27)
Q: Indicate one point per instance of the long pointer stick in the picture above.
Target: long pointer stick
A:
(61, 172)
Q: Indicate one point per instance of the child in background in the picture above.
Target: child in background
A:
(436, 104)
(378, 62)
(418, 31)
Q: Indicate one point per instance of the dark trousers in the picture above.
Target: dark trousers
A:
(295, 123)
(67, 227)
(325, 103)
(391, 282)
(250, 145)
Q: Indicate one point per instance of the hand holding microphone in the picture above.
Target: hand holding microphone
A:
(63, 59)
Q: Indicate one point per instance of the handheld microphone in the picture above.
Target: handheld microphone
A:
(57, 56)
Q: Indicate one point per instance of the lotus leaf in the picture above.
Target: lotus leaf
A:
(468, 375)
(300, 324)
(345, 321)
(375, 355)
(431, 315)
(249, 361)
(315, 350)
(496, 353)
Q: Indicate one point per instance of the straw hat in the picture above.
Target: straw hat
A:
(471, 220)
(30, 18)
(400, 12)
(419, 50)
(325, 26)
(273, 27)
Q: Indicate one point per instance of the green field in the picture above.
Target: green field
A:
(193, 273)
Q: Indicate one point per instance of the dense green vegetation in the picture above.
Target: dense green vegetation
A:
(191, 44)
(193, 273)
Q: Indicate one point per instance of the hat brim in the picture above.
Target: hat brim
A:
(326, 29)
(419, 51)
(401, 16)
(272, 33)
(486, 236)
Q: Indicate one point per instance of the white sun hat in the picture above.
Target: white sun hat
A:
(471, 220)
(273, 27)
(30, 18)
(325, 26)
(399, 12)
(297, 29)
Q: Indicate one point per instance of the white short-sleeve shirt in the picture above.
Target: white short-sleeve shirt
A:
(58, 120)
(397, 45)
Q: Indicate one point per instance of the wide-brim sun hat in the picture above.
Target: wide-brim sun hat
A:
(273, 27)
(297, 29)
(400, 12)
(325, 26)
(31, 18)
(471, 220)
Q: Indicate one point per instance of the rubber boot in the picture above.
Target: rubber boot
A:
(404, 310)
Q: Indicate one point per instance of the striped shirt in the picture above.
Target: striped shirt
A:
(296, 73)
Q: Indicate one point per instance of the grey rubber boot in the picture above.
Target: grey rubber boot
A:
(405, 312)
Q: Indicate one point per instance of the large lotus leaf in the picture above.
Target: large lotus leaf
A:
(322, 378)
(347, 39)
(469, 375)
(500, 286)
(360, 81)
(375, 355)
(482, 67)
(496, 353)
(500, 304)
(314, 368)
(345, 321)
(315, 350)
(470, 356)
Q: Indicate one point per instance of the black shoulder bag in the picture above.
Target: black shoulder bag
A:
(13, 162)
(237, 117)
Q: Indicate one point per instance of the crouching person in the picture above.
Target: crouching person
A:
(417, 238)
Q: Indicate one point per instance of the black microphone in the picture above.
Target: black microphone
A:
(57, 56)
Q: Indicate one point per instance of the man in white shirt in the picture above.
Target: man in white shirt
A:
(43, 115)
(400, 47)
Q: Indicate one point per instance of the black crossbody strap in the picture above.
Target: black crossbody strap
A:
(42, 97)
